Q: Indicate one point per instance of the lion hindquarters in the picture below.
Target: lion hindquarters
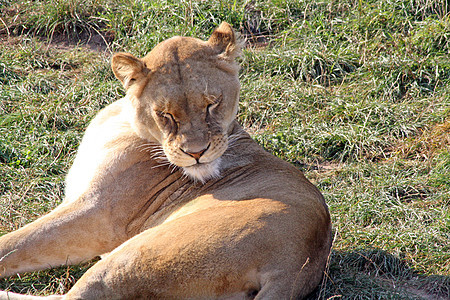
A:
(221, 252)
(190, 257)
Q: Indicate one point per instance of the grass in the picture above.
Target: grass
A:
(354, 93)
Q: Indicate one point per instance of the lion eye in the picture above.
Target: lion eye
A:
(165, 115)
(167, 120)
(213, 105)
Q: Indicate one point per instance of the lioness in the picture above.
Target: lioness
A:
(176, 196)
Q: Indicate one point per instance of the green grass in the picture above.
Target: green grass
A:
(354, 93)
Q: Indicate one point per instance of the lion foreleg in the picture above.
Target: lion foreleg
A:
(67, 235)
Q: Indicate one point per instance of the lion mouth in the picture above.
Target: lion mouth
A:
(204, 171)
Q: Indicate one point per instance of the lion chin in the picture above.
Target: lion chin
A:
(204, 171)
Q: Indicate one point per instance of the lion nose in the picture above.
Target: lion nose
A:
(195, 154)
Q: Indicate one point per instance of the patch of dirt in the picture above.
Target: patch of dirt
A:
(93, 36)
(91, 40)
(412, 289)
(316, 171)
(322, 167)
(424, 292)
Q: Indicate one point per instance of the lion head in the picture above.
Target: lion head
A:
(184, 96)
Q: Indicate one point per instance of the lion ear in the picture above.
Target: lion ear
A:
(224, 39)
(127, 68)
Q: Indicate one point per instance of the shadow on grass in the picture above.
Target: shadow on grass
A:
(376, 274)
(361, 274)
(52, 281)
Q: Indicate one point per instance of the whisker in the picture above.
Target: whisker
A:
(229, 155)
(157, 154)
(161, 165)
(160, 159)
(184, 176)
(157, 151)
(174, 167)
(235, 137)
(150, 149)
(148, 145)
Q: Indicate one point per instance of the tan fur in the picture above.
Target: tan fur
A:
(178, 198)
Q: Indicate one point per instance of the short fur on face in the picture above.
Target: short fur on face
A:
(178, 101)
